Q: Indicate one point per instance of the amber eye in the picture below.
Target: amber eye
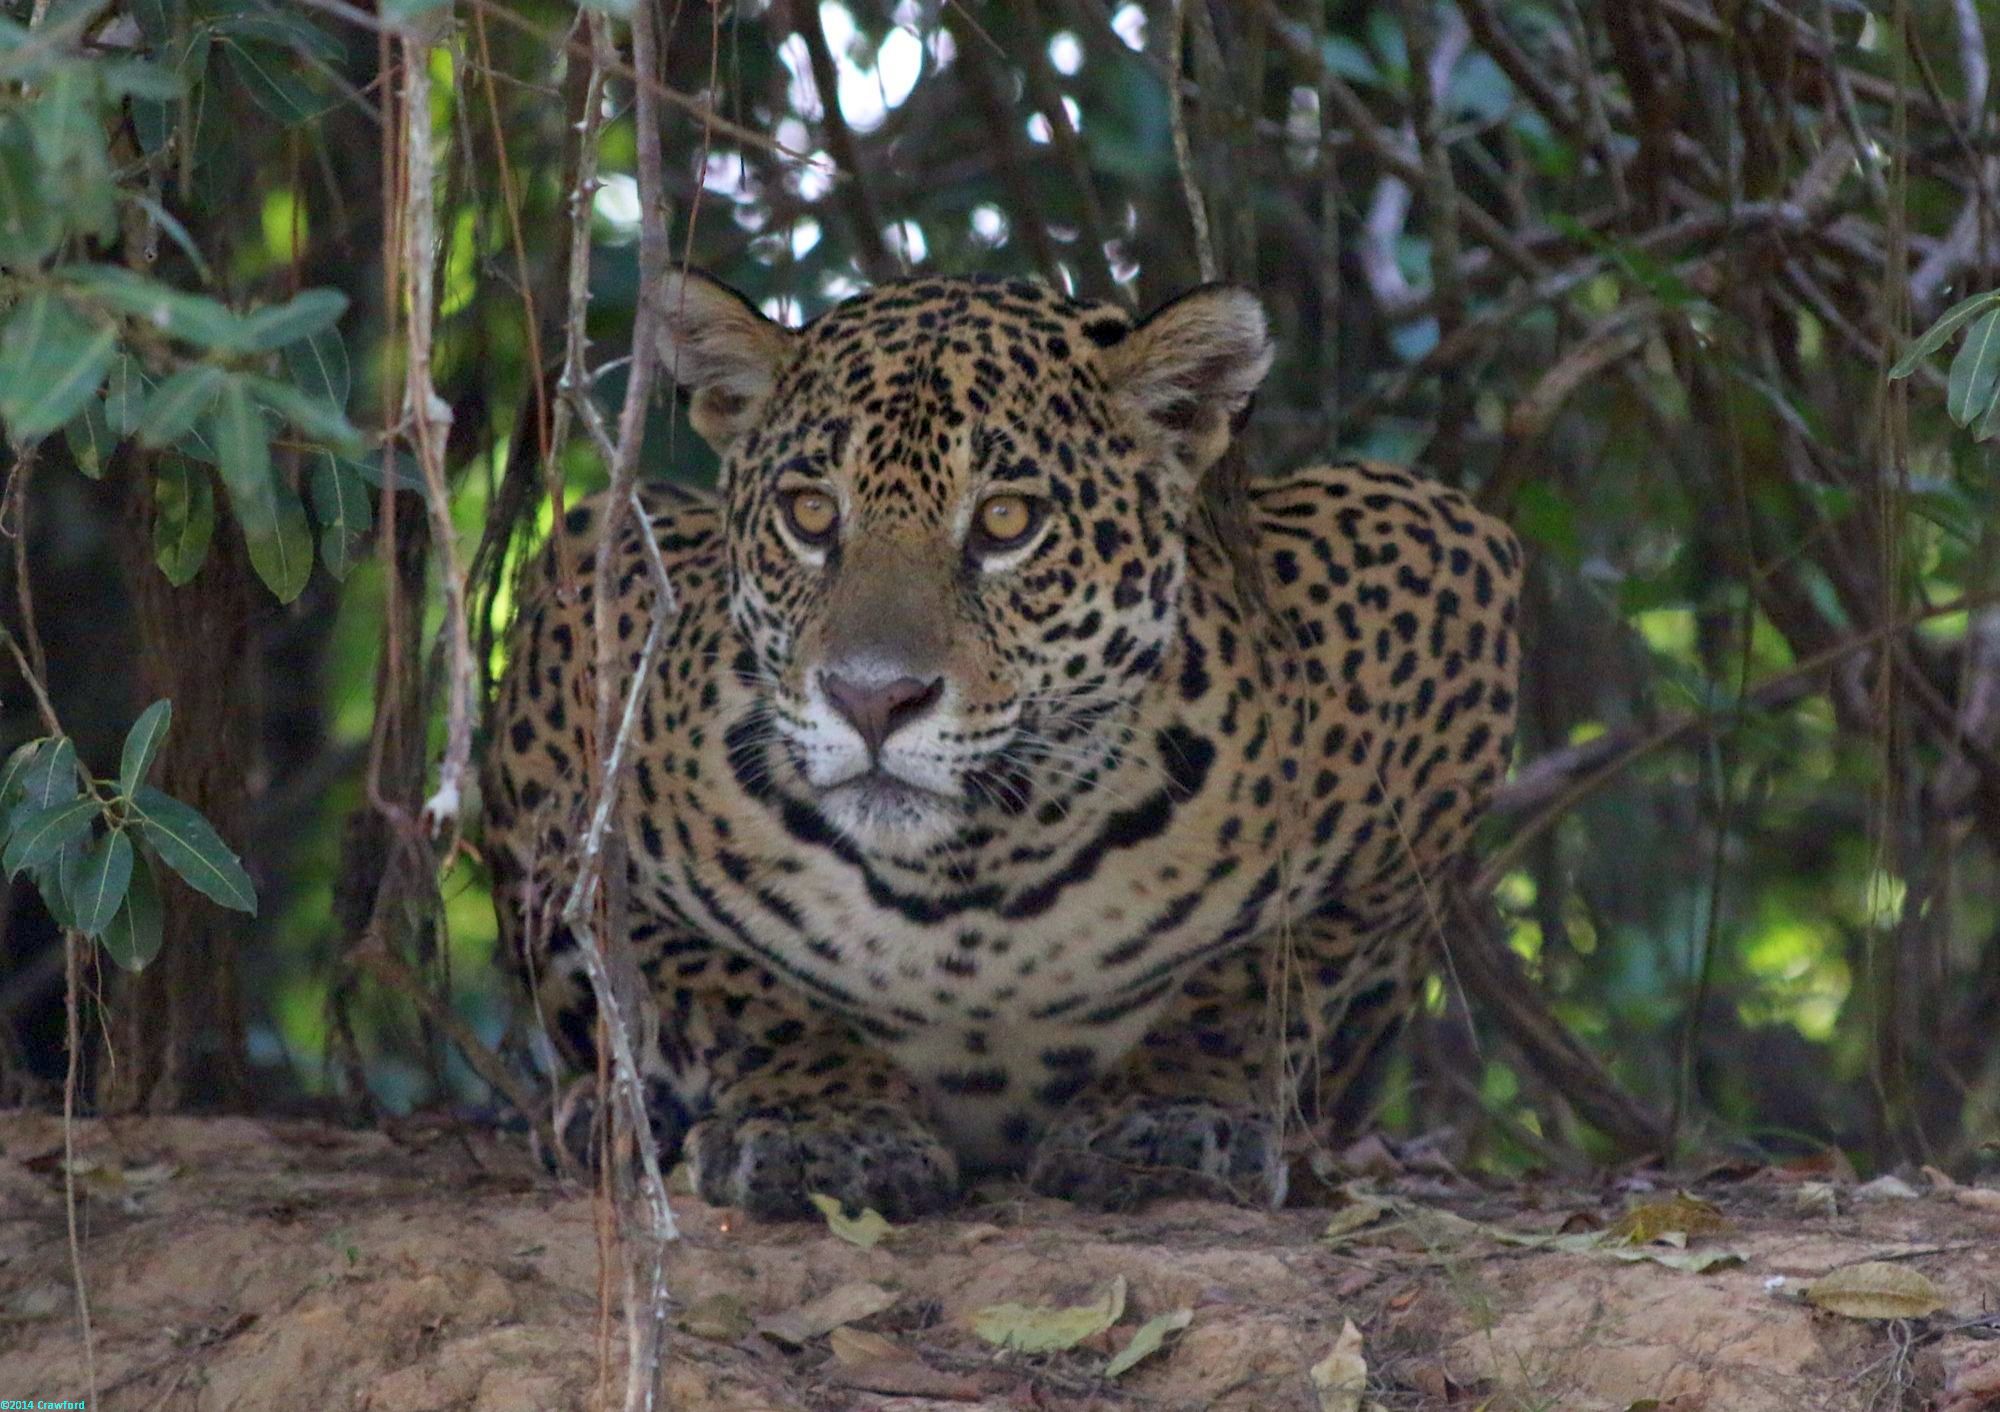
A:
(813, 515)
(1004, 520)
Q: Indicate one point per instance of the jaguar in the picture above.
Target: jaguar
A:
(1003, 800)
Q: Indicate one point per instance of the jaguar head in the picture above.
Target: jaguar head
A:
(956, 519)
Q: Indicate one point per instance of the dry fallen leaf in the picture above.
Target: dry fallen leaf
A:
(1679, 1214)
(723, 1318)
(865, 1230)
(1028, 1328)
(1875, 1289)
(1342, 1376)
(1980, 1198)
(1147, 1340)
(1887, 1187)
(1691, 1262)
(1360, 1210)
(843, 1304)
(854, 1347)
(905, 1377)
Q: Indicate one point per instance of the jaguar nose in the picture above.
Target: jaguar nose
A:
(880, 708)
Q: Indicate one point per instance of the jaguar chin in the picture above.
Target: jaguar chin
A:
(879, 810)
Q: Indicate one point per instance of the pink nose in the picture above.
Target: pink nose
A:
(878, 709)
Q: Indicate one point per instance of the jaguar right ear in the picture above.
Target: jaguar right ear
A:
(717, 345)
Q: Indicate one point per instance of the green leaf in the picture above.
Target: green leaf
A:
(194, 318)
(318, 364)
(1935, 337)
(47, 878)
(1975, 372)
(285, 31)
(133, 937)
(340, 501)
(40, 834)
(1040, 1329)
(242, 444)
(309, 312)
(142, 743)
(50, 777)
(68, 129)
(865, 1230)
(321, 421)
(1543, 514)
(184, 518)
(141, 78)
(188, 843)
(269, 76)
(284, 557)
(94, 880)
(181, 401)
(90, 439)
(51, 361)
(30, 223)
(1989, 425)
(125, 394)
(1147, 1340)
(407, 477)
(14, 772)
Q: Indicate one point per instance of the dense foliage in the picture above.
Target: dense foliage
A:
(1636, 274)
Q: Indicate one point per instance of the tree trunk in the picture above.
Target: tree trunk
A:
(173, 1034)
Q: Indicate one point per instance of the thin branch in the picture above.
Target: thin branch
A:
(552, 41)
(1197, 207)
(428, 417)
(1003, 124)
(1095, 263)
(594, 918)
(1559, 781)
(876, 258)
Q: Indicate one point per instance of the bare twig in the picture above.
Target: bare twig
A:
(975, 68)
(1558, 782)
(1095, 263)
(376, 956)
(428, 419)
(1197, 207)
(854, 195)
(1973, 230)
(589, 910)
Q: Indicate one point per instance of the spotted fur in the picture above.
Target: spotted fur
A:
(1153, 856)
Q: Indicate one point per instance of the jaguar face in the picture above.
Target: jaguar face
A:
(956, 515)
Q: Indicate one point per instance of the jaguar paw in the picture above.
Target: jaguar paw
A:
(768, 1160)
(1114, 1156)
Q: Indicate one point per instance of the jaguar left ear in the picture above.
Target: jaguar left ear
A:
(1192, 366)
(717, 345)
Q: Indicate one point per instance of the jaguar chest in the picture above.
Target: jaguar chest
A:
(1085, 928)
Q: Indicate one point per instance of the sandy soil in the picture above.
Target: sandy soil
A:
(243, 1264)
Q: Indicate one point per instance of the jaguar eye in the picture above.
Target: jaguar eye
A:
(1003, 521)
(812, 515)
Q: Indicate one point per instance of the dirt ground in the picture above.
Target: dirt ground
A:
(243, 1264)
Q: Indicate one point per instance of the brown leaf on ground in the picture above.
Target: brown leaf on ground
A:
(857, 1346)
(1679, 1214)
(1875, 1289)
(846, 1303)
(905, 1377)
